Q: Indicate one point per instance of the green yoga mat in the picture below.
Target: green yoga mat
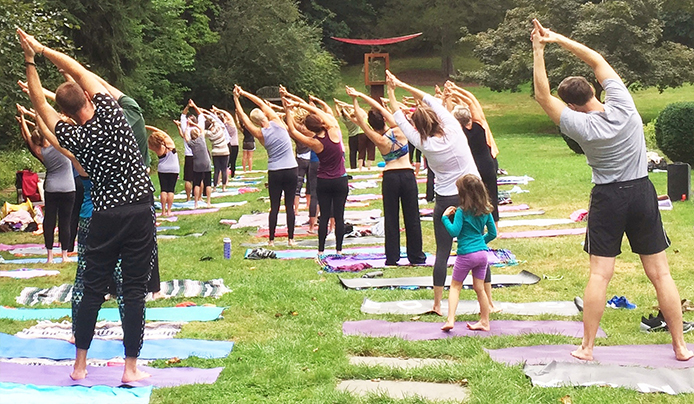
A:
(195, 313)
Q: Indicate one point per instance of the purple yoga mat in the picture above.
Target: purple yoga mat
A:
(655, 356)
(8, 247)
(46, 375)
(415, 331)
(543, 233)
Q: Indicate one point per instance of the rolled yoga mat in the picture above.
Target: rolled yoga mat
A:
(31, 394)
(641, 379)
(416, 307)
(46, 375)
(653, 356)
(498, 280)
(419, 330)
(14, 347)
(195, 313)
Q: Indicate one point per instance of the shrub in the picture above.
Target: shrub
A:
(674, 132)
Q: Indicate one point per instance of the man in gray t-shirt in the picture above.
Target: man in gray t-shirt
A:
(623, 199)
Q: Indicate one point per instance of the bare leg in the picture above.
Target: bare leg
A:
(131, 373)
(49, 255)
(250, 160)
(483, 300)
(296, 203)
(312, 225)
(658, 271)
(360, 164)
(438, 295)
(453, 298)
(162, 200)
(169, 202)
(417, 166)
(197, 191)
(209, 196)
(64, 255)
(601, 270)
(79, 370)
(189, 189)
(488, 291)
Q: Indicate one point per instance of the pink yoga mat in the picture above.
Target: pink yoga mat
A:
(543, 233)
(195, 211)
(46, 375)
(415, 331)
(655, 356)
(8, 247)
(510, 208)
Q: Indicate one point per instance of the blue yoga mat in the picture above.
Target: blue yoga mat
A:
(56, 260)
(15, 347)
(30, 394)
(195, 313)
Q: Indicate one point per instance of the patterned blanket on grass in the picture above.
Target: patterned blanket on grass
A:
(31, 296)
(107, 330)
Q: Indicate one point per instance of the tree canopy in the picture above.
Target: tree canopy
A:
(629, 34)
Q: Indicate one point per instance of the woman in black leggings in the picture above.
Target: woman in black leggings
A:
(332, 187)
(271, 132)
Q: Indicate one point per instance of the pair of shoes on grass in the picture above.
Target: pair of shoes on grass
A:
(261, 253)
(657, 323)
(620, 302)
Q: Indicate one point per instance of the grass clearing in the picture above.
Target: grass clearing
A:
(280, 357)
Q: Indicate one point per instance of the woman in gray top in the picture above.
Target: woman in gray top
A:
(266, 126)
(59, 188)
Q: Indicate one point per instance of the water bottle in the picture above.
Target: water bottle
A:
(227, 248)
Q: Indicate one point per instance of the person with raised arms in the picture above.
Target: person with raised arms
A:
(399, 182)
(442, 142)
(267, 126)
(325, 139)
(623, 199)
(123, 221)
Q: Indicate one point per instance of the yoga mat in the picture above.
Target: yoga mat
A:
(56, 260)
(644, 380)
(110, 330)
(167, 228)
(14, 347)
(228, 192)
(419, 330)
(26, 273)
(195, 313)
(534, 222)
(46, 375)
(514, 180)
(261, 219)
(364, 197)
(196, 211)
(521, 213)
(512, 208)
(311, 254)
(282, 231)
(9, 247)
(416, 307)
(191, 205)
(543, 233)
(653, 356)
(174, 288)
(329, 243)
(31, 394)
(400, 389)
(498, 280)
(36, 250)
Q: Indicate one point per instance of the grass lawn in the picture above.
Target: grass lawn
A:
(286, 316)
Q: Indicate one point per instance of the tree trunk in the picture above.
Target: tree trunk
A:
(447, 65)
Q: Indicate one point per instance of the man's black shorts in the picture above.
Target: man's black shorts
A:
(629, 207)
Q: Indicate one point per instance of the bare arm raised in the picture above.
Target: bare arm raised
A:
(245, 120)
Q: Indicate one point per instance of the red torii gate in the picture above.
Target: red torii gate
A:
(375, 64)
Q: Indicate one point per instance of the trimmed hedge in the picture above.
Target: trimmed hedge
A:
(674, 132)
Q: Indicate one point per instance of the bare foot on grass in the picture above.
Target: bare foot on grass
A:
(583, 354)
(129, 377)
(478, 326)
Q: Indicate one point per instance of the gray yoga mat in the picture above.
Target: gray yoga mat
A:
(421, 330)
(416, 307)
(644, 380)
(654, 356)
(498, 280)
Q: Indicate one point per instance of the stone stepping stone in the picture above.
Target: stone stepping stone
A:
(403, 363)
(403, 389)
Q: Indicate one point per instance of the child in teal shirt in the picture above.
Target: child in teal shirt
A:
(471, 217)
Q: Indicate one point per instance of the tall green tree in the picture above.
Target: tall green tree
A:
(261, 43)
(48, 25)
(140, 45)
(629, 34)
